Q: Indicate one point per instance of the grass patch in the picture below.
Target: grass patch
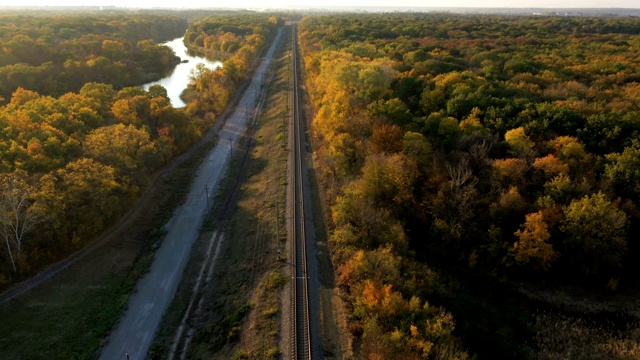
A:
(227, 330)
(272, 353)
(73, 329)
(241, 355)
(271, 312)
(559, 336)
(276, 280)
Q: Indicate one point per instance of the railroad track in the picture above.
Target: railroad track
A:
(300, 325)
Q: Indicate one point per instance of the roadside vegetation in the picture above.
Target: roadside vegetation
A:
(237, 40)
(461, 154)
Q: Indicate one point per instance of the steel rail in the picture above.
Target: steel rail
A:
(301, 348)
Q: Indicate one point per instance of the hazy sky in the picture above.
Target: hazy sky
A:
(280, 3)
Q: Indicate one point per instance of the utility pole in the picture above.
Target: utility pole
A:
(206, 189)
(277, 230)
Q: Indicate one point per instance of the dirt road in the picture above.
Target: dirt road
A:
(154, 291)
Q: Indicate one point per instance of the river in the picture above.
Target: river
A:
(178, 80)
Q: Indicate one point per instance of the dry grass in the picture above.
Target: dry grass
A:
(253, 229)
(562, 337)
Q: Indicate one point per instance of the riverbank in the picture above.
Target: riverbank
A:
(176, 82)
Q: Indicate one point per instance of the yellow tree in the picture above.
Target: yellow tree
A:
(511, 171)
(98, 97)
(133, 110)
(532, 247)
(387, 180)
(83, 198)
(595, 234)
(126, 148)
(521, 145)
(211, 88)
(551, 166)
(571, 152)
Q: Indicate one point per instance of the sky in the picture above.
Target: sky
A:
(331, 3)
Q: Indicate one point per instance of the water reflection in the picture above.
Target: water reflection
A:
(178, 80)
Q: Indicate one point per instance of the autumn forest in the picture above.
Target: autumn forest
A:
(463, 156)
(479, 173)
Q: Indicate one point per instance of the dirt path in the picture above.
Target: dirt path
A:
(155, 290)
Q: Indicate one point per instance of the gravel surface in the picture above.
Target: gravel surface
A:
(155, 290)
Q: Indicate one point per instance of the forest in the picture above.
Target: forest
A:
(57, 54)
(463, 158)
(467, 162)
(79, 139)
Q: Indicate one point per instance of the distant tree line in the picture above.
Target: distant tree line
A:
(59, 53)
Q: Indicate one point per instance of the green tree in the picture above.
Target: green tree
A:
(443, 131)
(623, 171)
(157, 91)
(387, 180)
(520, 144)
(417, 148)
(394, 110)
(595, 234)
